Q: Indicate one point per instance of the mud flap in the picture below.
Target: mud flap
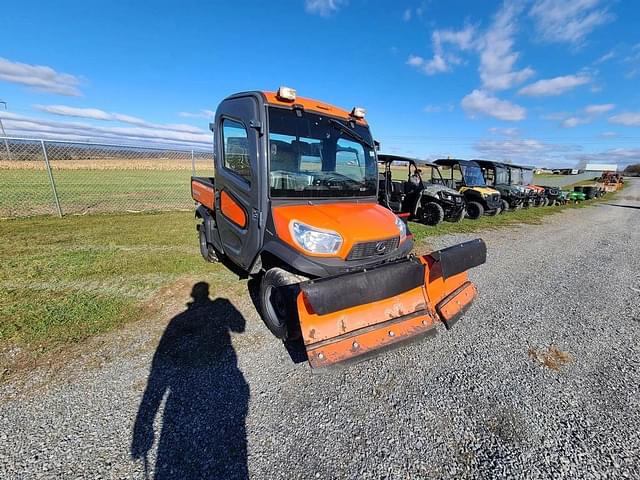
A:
(355, 314)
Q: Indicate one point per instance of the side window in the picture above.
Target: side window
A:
(457, 173)
(350, 159)
(236, 149)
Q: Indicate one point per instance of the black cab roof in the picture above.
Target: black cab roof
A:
(455, 161)
(388, 158)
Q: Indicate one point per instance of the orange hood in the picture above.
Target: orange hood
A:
(355, 222)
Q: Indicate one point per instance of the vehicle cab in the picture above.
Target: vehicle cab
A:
(466, 177)
(296, 183)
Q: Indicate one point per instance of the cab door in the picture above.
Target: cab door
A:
(240, 193)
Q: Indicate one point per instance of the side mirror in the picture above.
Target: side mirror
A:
(376, 145)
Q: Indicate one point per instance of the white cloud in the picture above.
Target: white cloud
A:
(460, 40)
(480, 102)
(497, 58)
(630, 119)
(324, 8)
(606, 57)
(415, 60)
(527, 151)
(608, 134)
(21, 125)
(572, 122)
(568, 21)
(599, 109)
(507, 132)
(583, 117)
(39, 77)
(97, 114)
(439, 108)
(621, 156)
(554, 86)
(208, 114)
(406, 16)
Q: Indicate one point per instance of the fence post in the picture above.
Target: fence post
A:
(193, 165)
(53, 183)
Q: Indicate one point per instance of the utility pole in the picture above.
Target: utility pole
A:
(6, 142)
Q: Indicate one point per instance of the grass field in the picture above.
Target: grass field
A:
(28, 192)
(63, 280)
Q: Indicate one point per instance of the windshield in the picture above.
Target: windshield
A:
(315, 156)
(431, 174)
(516, 176)
(472, 176)
(502, 176)
(527, 176)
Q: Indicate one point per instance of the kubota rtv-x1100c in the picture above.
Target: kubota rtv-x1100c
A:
(294, 201)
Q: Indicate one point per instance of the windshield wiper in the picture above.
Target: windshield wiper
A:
(353, 134)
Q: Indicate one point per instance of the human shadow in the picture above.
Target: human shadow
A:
(203, 421)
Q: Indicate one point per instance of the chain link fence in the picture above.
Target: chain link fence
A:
(40, 177)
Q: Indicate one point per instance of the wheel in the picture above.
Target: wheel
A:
(493, 213)
(278, 310)
(518, 207)
(505, 206)
(458, 218)
(206, 249)
(545, 202)
(474, 210)
(431, 213)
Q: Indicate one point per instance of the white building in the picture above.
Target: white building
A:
(601, 167)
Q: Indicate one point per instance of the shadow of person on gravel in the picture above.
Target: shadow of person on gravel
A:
(203, 421)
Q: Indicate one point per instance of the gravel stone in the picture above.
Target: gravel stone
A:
(215, 396)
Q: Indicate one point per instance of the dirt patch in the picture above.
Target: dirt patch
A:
(552, 358)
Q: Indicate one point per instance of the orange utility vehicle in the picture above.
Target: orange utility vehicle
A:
(294, 202)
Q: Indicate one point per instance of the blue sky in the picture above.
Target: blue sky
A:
(546, 82)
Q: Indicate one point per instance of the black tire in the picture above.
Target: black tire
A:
(277, 308)
(518, 207)
(545, 202)
(206, 249)
(492, 213)
(458, 218)
(474, 210)
(505, 206)
(431, 213)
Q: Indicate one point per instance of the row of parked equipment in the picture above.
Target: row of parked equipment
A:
(452, 189)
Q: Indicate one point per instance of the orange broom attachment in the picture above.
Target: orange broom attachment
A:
(350, 315)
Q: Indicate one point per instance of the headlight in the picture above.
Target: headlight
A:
(445, 196)
(402, 227)
(315, 240)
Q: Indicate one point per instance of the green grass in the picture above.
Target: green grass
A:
(28, 192)
(63, 280)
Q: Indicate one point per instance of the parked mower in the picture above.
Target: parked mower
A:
(294, 203)
(466, 177)
(423, 195)
(575, 196)
(497, 175)
(536, 194)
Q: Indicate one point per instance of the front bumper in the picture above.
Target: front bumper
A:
(351, 315)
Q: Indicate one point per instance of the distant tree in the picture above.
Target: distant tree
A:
(634, 168)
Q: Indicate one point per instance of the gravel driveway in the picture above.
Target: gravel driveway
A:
(540, 379)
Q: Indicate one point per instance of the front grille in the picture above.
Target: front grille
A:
(371, 249)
